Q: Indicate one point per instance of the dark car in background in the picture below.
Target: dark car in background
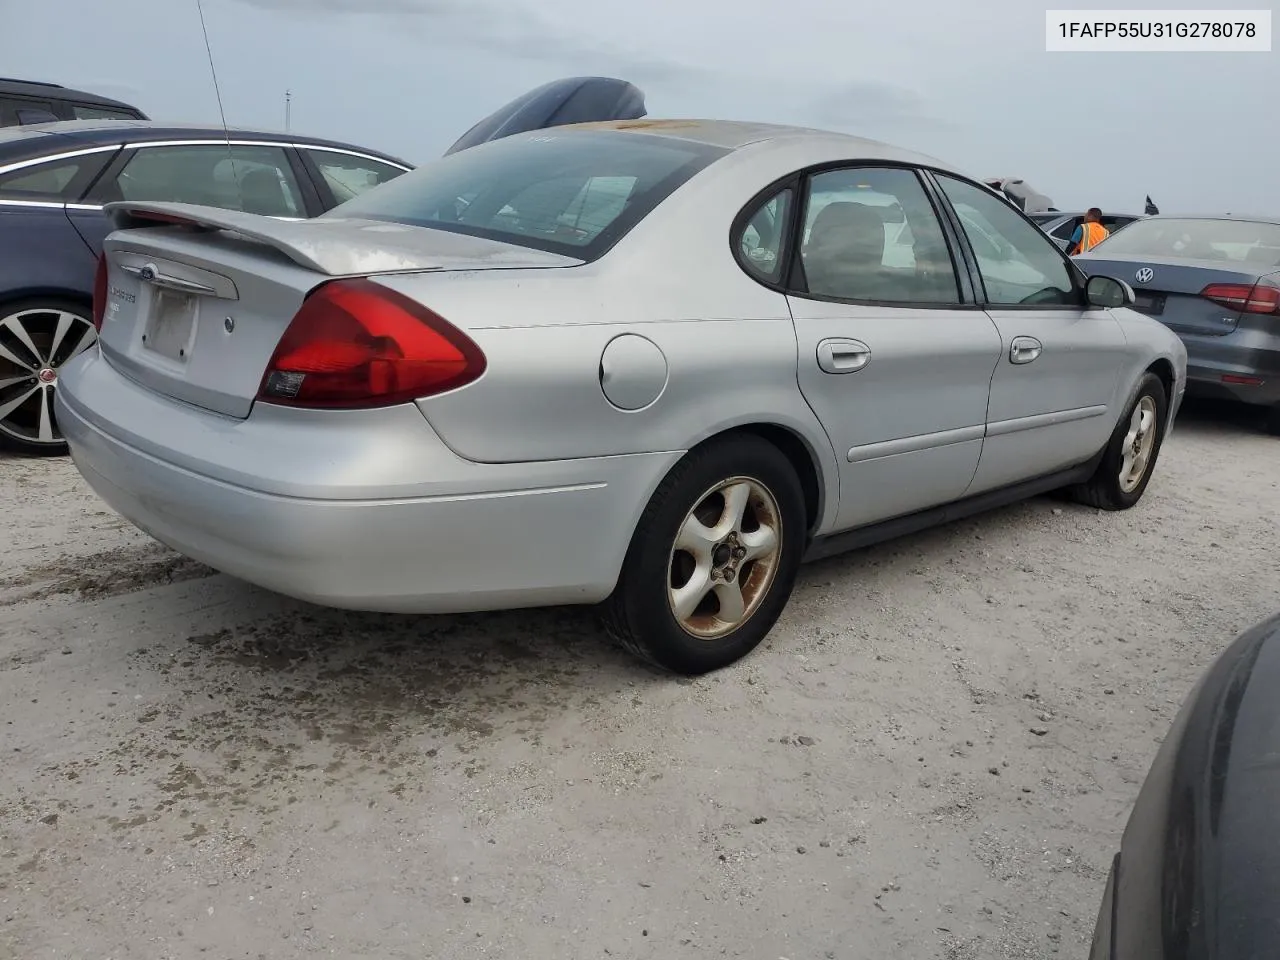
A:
(1197, 876)
(1060, 226)
(54, 180)
(1214, 281)
(32, 101)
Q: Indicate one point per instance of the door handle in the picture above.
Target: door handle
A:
(843, 356)
(1025, 349)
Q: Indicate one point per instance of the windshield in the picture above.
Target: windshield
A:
(1243, 241)
(572, 192)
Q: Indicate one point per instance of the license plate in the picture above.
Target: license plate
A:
(1149, 303)
(171, 326)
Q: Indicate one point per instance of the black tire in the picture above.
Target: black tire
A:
(639, 614)
(1273, 421)
(1104, 489)
(40, 321)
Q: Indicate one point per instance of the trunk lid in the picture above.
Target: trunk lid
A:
(194, 311)
(1169, 289)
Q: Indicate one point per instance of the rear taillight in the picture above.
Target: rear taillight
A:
(100, 293)
(356, 343)
(1261, 297)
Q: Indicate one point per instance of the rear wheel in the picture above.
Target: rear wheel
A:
(1126, 467)
(1273, 421)
(713, 560)
(36, 338)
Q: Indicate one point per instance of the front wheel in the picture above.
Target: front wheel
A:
(1130, 457)
(713, 559)
(36, 338)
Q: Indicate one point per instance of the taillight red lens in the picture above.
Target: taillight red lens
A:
(1261, 297)
(100, 293)
(356, 343)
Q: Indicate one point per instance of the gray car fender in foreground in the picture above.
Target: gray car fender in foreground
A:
(1140, 332)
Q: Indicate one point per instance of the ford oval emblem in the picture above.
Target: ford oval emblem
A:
(148, 272)
(1145, 275)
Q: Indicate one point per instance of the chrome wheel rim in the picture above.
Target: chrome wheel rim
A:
(34, 345)
(725, 558)
(1139, 441)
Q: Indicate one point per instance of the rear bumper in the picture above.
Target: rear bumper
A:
(1207, 382)
(365, 510)
(1247, 353)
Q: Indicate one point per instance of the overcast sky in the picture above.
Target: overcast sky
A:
(1196, 131)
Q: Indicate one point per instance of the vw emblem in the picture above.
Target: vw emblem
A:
(1145, 275)
(148, 272)
(229, 324)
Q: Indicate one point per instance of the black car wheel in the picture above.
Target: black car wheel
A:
(1130, 457)
(713, 560)
(36, 338)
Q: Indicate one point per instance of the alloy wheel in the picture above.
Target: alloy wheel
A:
(1138, 444)
(725, 558)
(35, 342)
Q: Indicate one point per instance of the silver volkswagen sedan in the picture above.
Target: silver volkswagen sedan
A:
(651, 365)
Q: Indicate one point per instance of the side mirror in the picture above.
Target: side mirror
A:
(1109, 292)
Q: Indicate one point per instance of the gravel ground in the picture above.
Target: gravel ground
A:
(933, 757)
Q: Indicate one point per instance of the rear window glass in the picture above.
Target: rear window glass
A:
(571, 192)
(1243, 241)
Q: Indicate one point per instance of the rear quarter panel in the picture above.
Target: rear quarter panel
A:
(541, 396)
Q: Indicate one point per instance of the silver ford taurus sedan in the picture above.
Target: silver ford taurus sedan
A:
(652, 365)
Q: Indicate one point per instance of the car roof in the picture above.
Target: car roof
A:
(38, 88)
(37, 139)
(737, 134)
(1242, 217)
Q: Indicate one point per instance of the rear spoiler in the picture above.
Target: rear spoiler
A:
(302, 241)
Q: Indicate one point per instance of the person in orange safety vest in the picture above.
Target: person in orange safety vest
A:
(1089, 234)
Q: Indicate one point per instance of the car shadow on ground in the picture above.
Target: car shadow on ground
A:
(1209, 417)
(213, 696)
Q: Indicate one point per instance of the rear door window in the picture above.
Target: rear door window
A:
(871, 234)
(347, 176)
(254, 179)
(1064, 230)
